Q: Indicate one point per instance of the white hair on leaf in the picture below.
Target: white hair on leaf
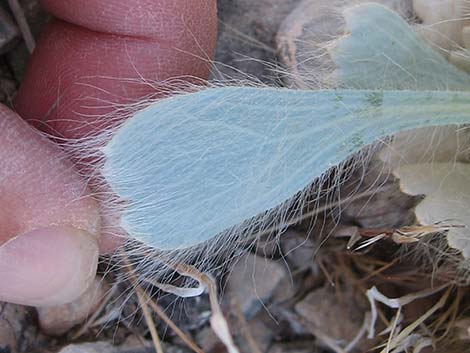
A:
(188, 177)
(222, 161)
(198, 165)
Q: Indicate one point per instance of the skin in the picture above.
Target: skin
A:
(93, 52)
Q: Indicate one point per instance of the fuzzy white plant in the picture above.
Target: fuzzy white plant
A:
(190, 175)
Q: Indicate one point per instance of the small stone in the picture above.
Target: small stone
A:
(18, 331)
(132, 345)
(267, 247)
(246, 38)
(11, 317)
(9, 329)
(386, 207)
(261, 330)
(255, 335)
(57, 320)
(253, 281)
(463, 329)
(95, 347)
(340, 320)
(298, 248)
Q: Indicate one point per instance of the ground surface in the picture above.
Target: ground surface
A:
(286, 295)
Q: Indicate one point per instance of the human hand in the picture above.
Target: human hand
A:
(98, 55)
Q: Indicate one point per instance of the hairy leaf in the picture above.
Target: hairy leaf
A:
(193, 166)
(197, 165)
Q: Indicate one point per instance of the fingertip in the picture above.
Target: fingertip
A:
(76, 77)
(39, 186)
(103, 54)
(48, 266)
(143, 18)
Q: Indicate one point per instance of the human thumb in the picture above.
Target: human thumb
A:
(48, 221)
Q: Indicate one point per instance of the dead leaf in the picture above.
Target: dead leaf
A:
(446, 187)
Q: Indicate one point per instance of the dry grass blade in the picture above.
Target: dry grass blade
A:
(22, 24)
(414, 233)
(145, 299)
(394, 327)
(142, 298)
(374, 295)
(407, 331)
(183, 292)
(148, 318)
(185, 338)
(244, 327)
(403, 235)
(325, 272)
(450, 316)
(218, 323)
(379, 270)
